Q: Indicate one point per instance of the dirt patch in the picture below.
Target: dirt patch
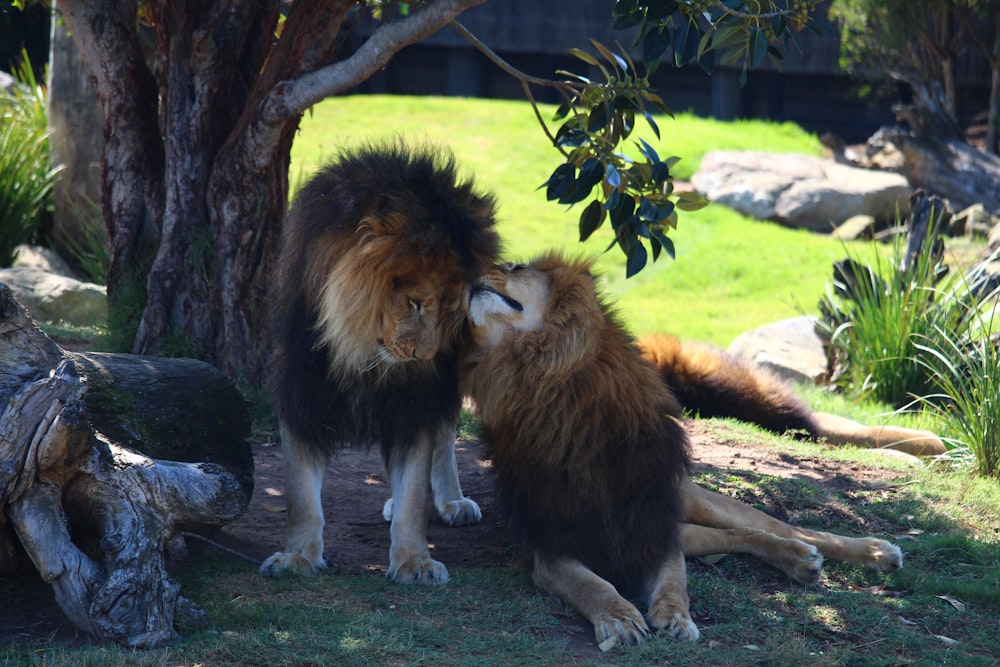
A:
(357, 538)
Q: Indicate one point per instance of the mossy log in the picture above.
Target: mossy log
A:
(91, 497)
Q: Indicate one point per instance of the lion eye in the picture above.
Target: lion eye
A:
(510, 267)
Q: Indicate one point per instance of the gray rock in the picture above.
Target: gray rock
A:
(53, 298)
(45, 259)
(790, 348)
(798, 190)
(854, 228)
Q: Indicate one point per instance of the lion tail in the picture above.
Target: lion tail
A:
(710, 382)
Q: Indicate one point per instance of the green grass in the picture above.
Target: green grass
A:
(744, 272)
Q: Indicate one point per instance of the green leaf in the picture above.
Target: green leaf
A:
(585, 57)
(690, 201)
(648, 151)
(591, 219)
(610, 56)
(757, 47)
(560, 180)
(612, 176)
(637, 258)
(652, 123)
(599, 118)
(623, 212)
(663, 240)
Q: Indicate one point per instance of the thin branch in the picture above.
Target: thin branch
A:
(294, 97)
(526, 79)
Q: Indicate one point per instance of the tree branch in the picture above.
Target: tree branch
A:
(291, 98)
(565, 89)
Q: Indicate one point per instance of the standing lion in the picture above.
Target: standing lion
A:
(377, 251)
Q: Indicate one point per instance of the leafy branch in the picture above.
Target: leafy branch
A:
(599, 111)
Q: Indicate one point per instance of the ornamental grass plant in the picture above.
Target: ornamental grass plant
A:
(26, 174)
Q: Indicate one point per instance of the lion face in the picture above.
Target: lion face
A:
(417, 318)
(508, 299)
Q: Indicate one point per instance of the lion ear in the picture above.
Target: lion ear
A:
(373, 226)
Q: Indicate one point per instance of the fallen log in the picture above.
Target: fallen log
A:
(96, 518)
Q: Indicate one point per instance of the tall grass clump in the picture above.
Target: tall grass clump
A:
(26, 174)
(876, 316)
(966, 373)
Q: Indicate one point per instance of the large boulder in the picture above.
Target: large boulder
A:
(798, 190)
(791, 348)
(50, 297)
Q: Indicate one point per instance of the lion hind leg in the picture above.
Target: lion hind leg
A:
(304, 471)
(707, 508)
(800, 561)
(615, 619)
(669, 606)
(409, 556)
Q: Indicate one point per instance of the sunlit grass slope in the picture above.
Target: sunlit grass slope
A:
(731, 273)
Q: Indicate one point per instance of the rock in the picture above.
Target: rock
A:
(800, 191)
(45, 259)
(7, 82)
(53, 298)
(854, 228)
(972, 221)
(790, 348)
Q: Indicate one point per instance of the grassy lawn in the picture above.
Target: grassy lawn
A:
(943, 607)
(744, 272)
(731, 274)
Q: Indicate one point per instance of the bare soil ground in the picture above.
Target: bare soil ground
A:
(357, 538)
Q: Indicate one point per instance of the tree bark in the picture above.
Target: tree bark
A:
(96, 518)
(75, 143)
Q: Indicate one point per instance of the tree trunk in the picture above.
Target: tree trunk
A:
(75, 122)
(93, 517)
(993, 115)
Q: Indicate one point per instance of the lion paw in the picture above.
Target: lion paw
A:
(621, 624)
(290, 562)
(802, 563)
(387, 510)
(417, 570)
(462, 512)
(675, 622)
(885, 556)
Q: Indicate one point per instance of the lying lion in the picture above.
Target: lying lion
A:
(592, 459)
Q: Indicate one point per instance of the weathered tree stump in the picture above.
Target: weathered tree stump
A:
(94, 517)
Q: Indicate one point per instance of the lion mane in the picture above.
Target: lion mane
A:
(584, 436)
(368, 229)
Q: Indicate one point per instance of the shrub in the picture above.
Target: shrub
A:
(967, 373)
(26, 175)
(876, 316)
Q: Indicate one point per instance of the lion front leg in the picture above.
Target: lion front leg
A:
(409, 558)
(669, 606)
(452, 506)
(304, 470)
(615, 619)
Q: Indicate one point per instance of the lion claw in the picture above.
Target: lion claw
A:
(885, 556)
(290, 562)
(462, 512)
(418, 570)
